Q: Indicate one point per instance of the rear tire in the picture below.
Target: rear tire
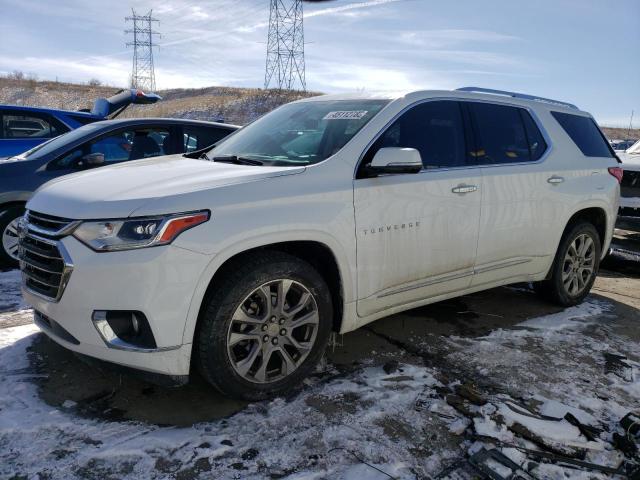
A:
(9, 246)
(575, 266)
(271, 306)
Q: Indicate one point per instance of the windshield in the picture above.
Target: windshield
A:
(57, 142)
(300, 133)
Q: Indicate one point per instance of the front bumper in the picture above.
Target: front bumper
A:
(158, 282)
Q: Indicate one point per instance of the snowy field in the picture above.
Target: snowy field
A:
(419, 409)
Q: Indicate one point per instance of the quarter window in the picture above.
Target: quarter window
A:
(435, 129)
(585, 134)
(18, 125)
(501, 135)
(537, 145)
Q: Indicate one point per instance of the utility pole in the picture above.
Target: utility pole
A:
(630, 125)
(285, 67)
(143, 74)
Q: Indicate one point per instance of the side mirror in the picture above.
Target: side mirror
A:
(92, 160)
(395, 160)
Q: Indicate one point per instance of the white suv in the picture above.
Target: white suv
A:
(320, 217)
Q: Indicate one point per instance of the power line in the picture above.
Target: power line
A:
(143, 74)
(285, 66)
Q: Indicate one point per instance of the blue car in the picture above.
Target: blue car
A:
(22, 128)
(91, 146)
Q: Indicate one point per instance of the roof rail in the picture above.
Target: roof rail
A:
(522, 96)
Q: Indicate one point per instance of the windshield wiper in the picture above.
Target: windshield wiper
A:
(237, 160)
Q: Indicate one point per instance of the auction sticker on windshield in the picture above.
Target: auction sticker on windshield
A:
(346, 115)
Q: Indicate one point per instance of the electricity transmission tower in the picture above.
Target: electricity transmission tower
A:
(285, 46)
(143, 75)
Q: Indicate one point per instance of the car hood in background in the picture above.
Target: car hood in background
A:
(630, 161)
(118, 190)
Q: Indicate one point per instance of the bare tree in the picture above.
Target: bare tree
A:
(16, 75)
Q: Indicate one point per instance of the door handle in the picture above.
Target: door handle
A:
(554, 180)
(464, 189)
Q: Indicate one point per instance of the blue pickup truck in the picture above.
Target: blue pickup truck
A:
(22, 128)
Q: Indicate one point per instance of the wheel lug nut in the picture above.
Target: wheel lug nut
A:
(273, 319)
(265, 338)
(264, 328)
(283, 332)
(281, 322)
(274, 341)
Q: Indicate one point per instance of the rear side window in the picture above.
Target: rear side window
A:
(505, 134)
(585, 134)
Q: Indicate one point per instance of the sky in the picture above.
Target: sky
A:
(581, 51)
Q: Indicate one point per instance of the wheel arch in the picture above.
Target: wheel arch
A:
(329, 263)
(12, 203)
(595, 214)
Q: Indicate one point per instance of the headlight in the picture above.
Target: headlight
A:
(129, 233)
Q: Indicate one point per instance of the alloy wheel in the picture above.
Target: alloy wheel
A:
(272, 331)
(10, 239)
(579, 264)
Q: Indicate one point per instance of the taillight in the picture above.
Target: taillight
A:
(617, 172)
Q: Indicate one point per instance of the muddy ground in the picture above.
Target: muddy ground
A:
(399, 338)
(386, 382)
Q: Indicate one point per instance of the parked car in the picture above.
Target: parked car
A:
(97, 144)
(621, 145)
(629, 217)
(22, 128)
(322, 216)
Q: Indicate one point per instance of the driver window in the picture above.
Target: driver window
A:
(435, 129)
(118, 147)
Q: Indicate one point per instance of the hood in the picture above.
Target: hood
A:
(118, 190)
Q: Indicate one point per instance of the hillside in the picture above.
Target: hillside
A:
(229, 104)
(232, 105)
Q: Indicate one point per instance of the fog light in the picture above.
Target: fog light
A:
(124, 329)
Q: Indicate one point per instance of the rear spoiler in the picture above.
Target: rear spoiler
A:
(113, 106)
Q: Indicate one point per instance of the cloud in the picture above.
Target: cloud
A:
(448, 37)
(69, 69)
(348, 9)
(348, 76)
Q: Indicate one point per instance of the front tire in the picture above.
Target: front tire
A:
(265, 328)
(8, 228)
(575, 266)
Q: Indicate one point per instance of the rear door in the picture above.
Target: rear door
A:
(417, 233)
(519, 205)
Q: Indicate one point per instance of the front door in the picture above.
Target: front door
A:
(417, 233)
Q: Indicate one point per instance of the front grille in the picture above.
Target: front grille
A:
(44, 263)
(47, 225)
(630, 186)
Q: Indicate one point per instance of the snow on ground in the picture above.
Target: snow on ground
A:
(403, 422)
(277, 437)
